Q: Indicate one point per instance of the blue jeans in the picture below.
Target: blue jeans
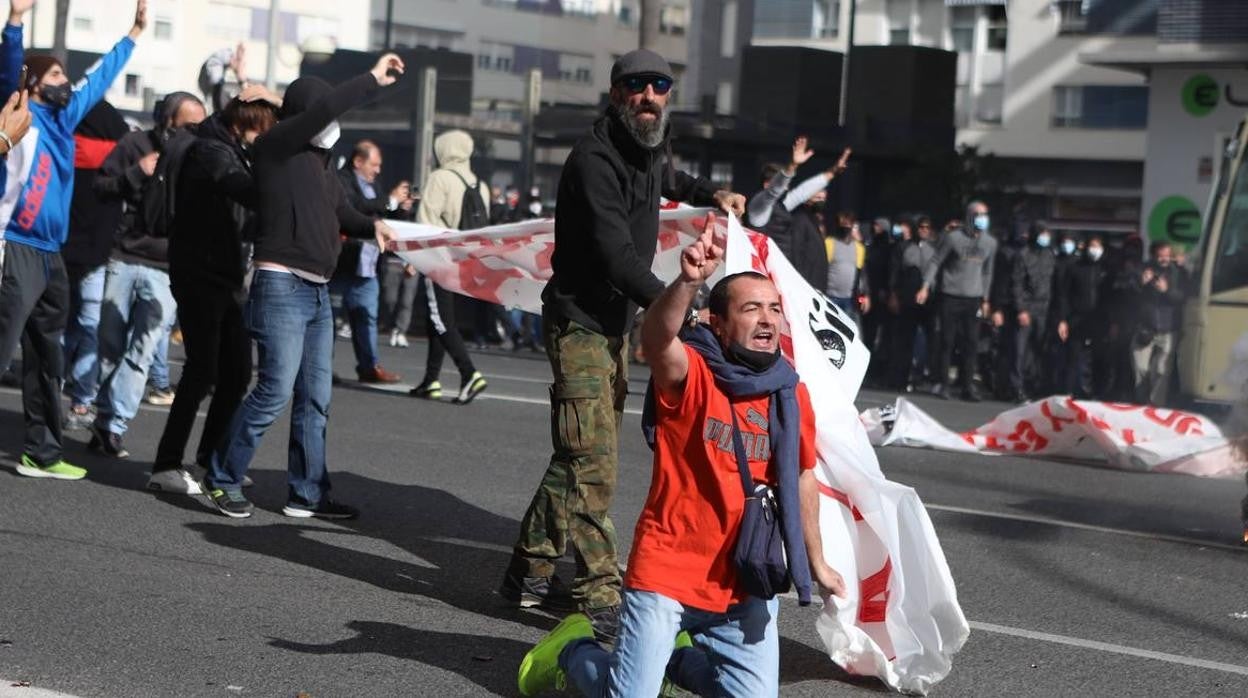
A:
(736, 653)
(360, 297)
(293, 326)
(82, 337)
(138, 307)
(158, 376)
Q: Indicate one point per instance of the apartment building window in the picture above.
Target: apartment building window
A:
(162, 28)
(626, 15)
(1100, 106)
(1073, 15)
(723, 98)
(898, 13)
(991, 103)
(962, 28)
(827, 19)
(997, 29)
(574, 67)
(401, 35)
(673, 20)
(495, 57)
(83, 24)
(287, 25)
(721, 174)
(134, 85)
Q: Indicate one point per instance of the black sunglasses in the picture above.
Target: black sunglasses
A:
(637, 84)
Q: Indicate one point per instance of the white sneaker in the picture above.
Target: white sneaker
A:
(174, 481)
(344, 332)
(398, 339)
(199, 472)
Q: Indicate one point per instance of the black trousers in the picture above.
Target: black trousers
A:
(218, 353)
(905, 330)
(34, 307)
(443, 334)
(959, 329)
(1027, 351)
(1087, 358)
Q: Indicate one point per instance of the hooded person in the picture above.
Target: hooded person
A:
(134, 333)
(454, 198)
(301, 209)
(92, 221)
(34, 207)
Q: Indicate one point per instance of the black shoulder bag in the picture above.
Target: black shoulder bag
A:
(759, 553)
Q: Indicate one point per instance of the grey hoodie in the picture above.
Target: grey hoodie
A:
(964, 262)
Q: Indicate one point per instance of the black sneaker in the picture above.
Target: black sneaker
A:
(232, 503)
(327, 509)
(606, 622)
(941, 391)
(471, 387)
(531, 592)
(107, 443)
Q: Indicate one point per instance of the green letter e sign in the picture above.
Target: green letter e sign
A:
(1200, 95)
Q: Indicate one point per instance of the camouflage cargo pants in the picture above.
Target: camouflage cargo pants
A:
(572, 501)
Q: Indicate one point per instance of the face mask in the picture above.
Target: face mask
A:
(757, 361)
(535, 208)
(844, 231)
(56, 95)
(1094, 253)
(1068, 246)
(327, 137)
(1043, 240)
(981, 222)
(897, 231)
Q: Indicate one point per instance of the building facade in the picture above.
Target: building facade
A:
(182, 34)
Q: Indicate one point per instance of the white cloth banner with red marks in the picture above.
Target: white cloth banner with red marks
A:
(1130, 437)
(900, 620)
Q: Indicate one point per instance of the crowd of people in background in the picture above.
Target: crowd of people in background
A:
(1019, 310)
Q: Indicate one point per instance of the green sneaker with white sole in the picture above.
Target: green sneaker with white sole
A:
(539, 671)
(59, 470)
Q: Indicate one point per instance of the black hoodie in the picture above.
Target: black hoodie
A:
(607, 227)
(206, 251)
(302, 206)
(93, 219)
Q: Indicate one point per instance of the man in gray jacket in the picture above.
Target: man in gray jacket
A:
(964, 258)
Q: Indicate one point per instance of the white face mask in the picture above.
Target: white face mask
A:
(327, 137)
(535, 207)
(1094, 253)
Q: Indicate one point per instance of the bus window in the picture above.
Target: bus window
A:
(1230, 263)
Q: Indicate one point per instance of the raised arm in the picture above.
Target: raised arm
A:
(669, 364)
(94, 84)
(11, 56)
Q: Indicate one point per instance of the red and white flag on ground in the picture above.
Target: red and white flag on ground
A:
(1131, 437)
(900, 620)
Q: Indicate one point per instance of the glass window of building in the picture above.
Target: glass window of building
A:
(898, 12)
(162, 28)
(962, 28)
(82, 24)
(1100, 106)
(728, 30)
(133, 85)
(673, 19)
(990, 105)
(827, 19)
(997, 29)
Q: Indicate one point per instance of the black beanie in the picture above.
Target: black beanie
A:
(37, 66)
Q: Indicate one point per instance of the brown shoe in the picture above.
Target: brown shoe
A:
(378, 375)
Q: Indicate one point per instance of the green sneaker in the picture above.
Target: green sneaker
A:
(428, 391)
(540, 669)
(59, 470)
(670, 689)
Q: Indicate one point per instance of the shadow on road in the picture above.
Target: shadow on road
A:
(489, 662)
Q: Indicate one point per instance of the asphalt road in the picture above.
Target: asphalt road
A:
(1079, 581)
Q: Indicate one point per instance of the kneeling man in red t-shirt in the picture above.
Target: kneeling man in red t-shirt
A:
(685, 616)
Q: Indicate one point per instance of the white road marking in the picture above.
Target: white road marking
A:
(14, 689)
(1109, 647)
(1088, 527)
(534, 401)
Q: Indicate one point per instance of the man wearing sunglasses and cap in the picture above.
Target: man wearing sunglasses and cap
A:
(606, 232)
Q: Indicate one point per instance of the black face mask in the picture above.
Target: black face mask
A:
(844, 231)
(759, 361)
(56, 95)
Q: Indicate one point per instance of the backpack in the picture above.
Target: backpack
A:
(160, 190)
(472, 211)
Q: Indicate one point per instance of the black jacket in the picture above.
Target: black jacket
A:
(1002, 295)
(376, 207)
(910, 258)
(804, 247)
(302, 206)
(1161, 311)
(93, 218)
(608, 227)
(1031, 278)
(121, 177)
(1082, 293)
(207, 240)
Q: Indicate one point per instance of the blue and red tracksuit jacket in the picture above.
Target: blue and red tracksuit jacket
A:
(38, 180)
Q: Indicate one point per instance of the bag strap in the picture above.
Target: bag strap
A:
(743, 464)
(461, 178)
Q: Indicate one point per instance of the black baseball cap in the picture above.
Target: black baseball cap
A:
(641, 62)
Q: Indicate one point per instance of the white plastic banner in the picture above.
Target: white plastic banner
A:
(900, 620)
(1131, 437)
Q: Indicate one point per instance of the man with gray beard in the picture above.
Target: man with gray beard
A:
(606, 232)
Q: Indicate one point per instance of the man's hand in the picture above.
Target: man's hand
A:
(985, 310)
(801, 154)
(238, 63)
(1024, 318)
(828, 578)
(841, 165)
(1063, 330)
(921, 296)
(17, 8)
(1162, 285)
(15, 118)
(998, 319)
(147, 163)
(700, 260)
(730, 202)
(865, 304)
(409, 270)
(1147, 277)
(257, 93)
(387, 63)
(383, 233)
(140, 19)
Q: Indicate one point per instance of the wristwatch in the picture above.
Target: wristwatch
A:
(691, 320)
